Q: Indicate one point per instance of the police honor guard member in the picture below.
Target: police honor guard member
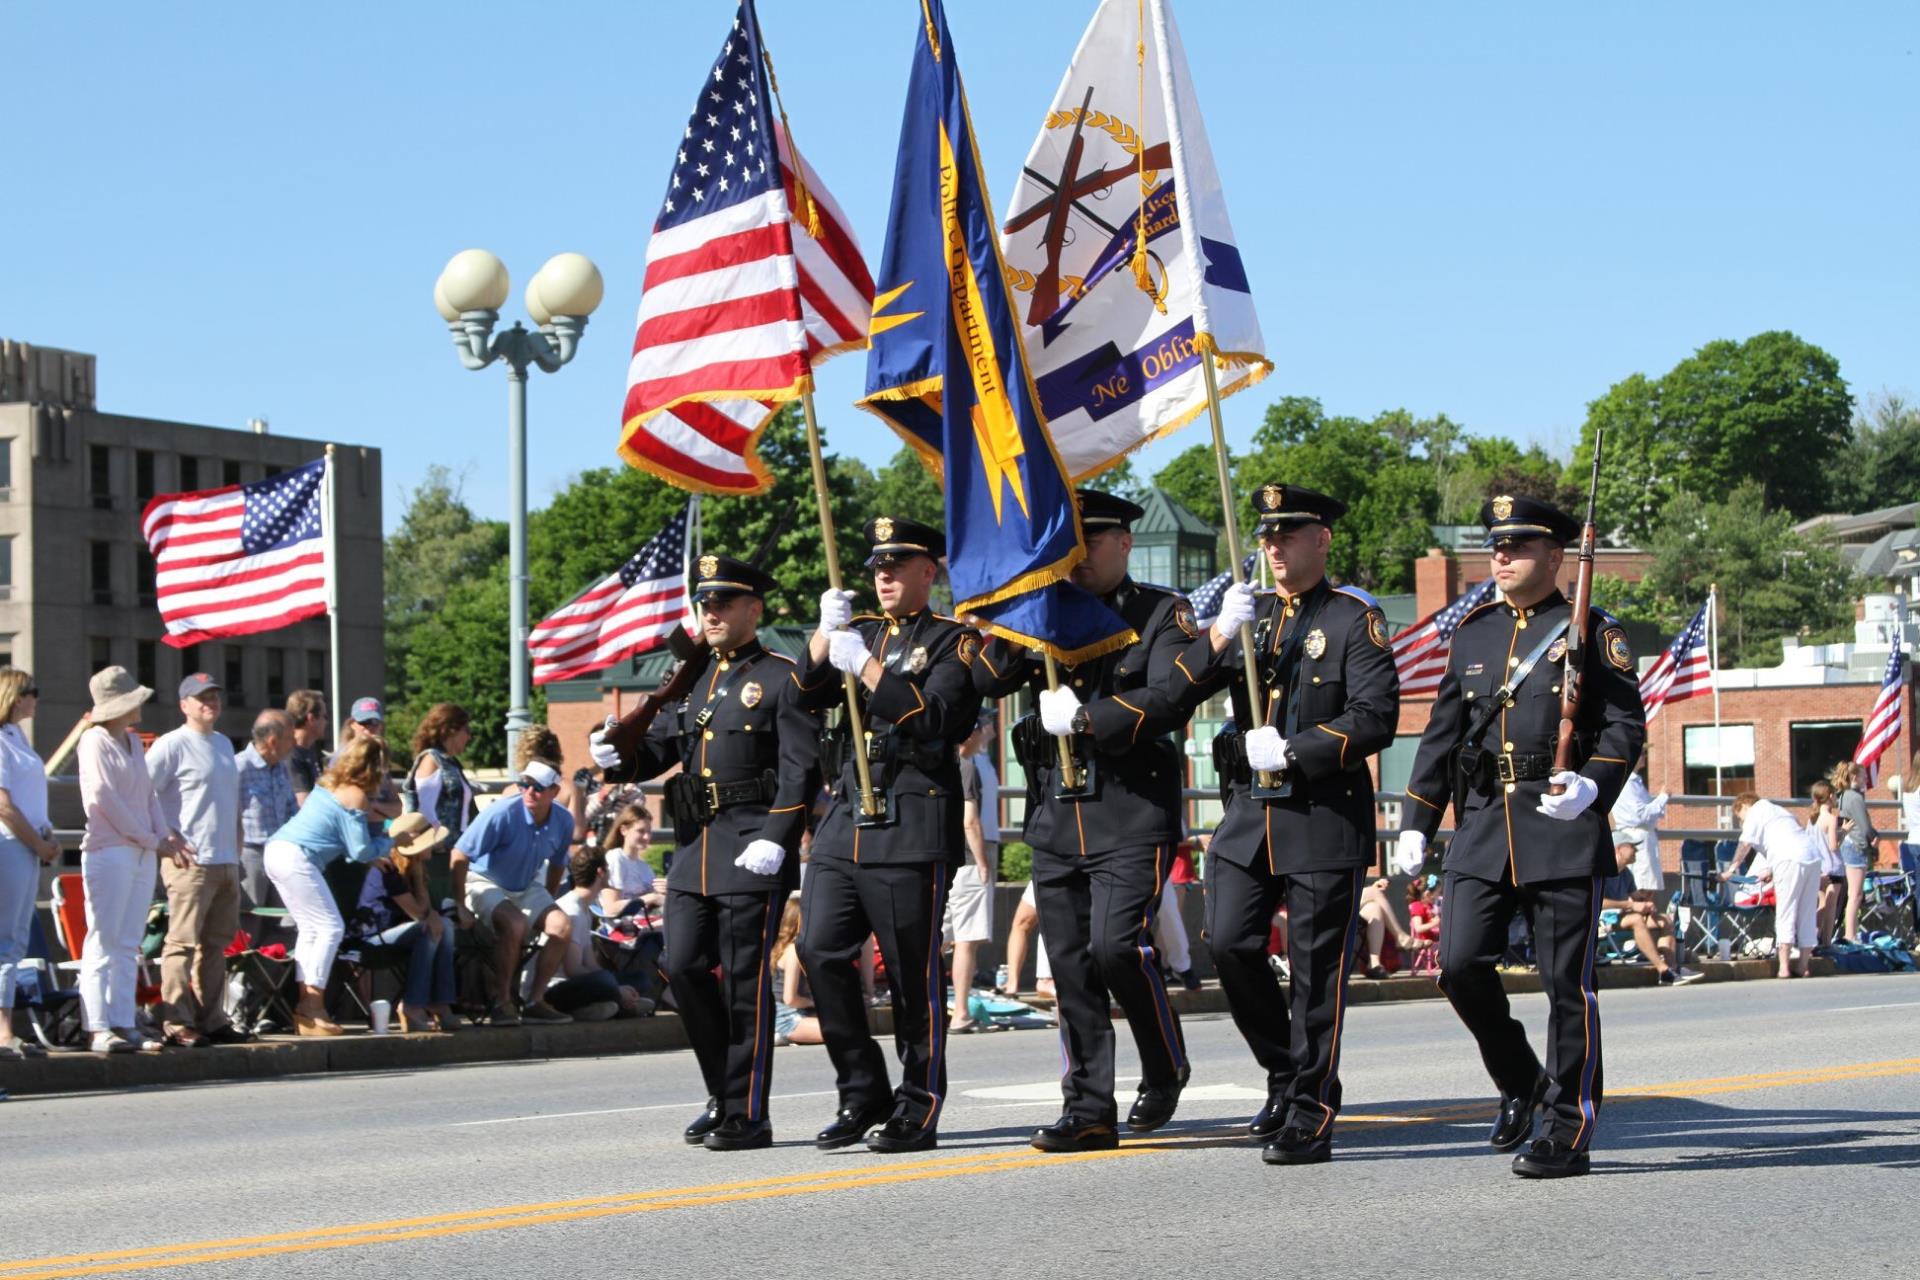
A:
(747, 748)
(886, 871)
(1488, 750)
(1331, 699)
(1103, 837)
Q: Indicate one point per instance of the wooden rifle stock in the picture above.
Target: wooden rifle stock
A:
(694, 655)
(1577, 631)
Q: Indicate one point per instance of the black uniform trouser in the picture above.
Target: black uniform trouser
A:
(729, 1018)
(1096, 915)
(1295, 1036)
(1564, 915)
(901, 905)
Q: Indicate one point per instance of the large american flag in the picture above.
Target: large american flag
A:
(751, 279)
(239, 559)
(1683, 670)
(1420, 652)
(1888, 717)
(626, 613)
(1205, 598)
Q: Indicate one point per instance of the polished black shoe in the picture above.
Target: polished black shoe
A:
(1551, 1158)
(851, 1125)
(1157, 1103)
(228, 1034)
(1270, 1119)
(1070, 1133)
(737, 1133)
(901, 1134)
(1514, 1125)
(1295, 1145)
(708, 1121)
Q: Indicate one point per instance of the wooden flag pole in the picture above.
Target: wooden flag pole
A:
(1234, 562)
(856, 727)
(1069, 776)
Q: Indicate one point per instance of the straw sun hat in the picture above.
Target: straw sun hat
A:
(115, 692)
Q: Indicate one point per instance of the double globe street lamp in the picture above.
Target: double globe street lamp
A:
(560, 297)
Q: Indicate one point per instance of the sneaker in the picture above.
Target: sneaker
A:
(503, 1015)
(108, 1042)
(598, 1011)
(1681, 977)
(541, 1011)
(140, 1040)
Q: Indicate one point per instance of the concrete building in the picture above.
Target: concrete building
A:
(77, 582)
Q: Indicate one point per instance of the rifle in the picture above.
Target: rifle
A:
(1577, 630)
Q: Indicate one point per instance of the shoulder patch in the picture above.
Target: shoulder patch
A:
(1183, 616)
(1614, 641)
(969, 646)
(1377, 627)
(1359, 595)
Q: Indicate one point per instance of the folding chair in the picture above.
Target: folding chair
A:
(359, 962)
(1704, 904)
(70, 924)
(53, 1013)
(1888, 904)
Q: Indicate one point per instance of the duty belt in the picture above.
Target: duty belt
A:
(1523, 766)
(725, 795)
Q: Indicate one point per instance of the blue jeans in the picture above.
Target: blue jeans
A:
(429, 967)
(588, 988)
(19, 881)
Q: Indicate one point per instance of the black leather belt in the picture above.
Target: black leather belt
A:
(1523, 766)
(725, 795)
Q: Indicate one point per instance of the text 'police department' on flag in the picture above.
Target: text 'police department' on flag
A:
(753, 276)
(1684, 669)
(1420, 652)
(627, 613)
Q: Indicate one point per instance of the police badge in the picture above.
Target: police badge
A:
(1274, 496)
(1557, 650)
(883, 529)
(750, 694)
(1502, 507)
(709, 565)
(917, 660)
(1316, 643)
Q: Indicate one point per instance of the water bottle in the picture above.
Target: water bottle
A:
(1000, 978)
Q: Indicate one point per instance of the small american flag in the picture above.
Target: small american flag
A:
(752, 278)
(1684, 670)
(627, 613)
(239, 559)
(1888, 717)
(1420, 652)
(1206, 597)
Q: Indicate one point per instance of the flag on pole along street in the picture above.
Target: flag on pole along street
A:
(239, 559)
(629, 612)
(1887, 720)
(1420, 652)
(947, 372)
(753, 276)
(1683, 670)
(1115, 336)
(1206, 597)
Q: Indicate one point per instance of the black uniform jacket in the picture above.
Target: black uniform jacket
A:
(758, 725)
(926, 704)
(1136, 709)
(1501, 831)
(1345, 694)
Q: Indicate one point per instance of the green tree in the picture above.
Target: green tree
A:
(906, 489)
(591, 527)
(438, 545)
(461, 654)
(1191, 479)
(1880, 467)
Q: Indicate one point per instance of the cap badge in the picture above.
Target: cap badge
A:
(1502, 507)
(709, 565)
(1274, 496)
(883, 529)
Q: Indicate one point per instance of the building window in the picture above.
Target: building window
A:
(146, 663)
(100, 476)
(144, 485)
(6, 469)
(230, 472)
(143, 575)
(1151, 564)
(99, 653)
(1730, 756)
(1196, 566)
(100, 572)
(6, 650)
(276, 677)
(6, 567)
(236, 681)
(1814, 747)
(190, 658)
(317, 670)
(189, 473)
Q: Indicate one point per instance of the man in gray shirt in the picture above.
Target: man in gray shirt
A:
(268, 799)
(198, 784)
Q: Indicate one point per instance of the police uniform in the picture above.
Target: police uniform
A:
(1100, 859)
(887, 875)
(747, 747)
(1330, 689)
(1507, 856)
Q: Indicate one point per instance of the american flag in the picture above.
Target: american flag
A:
(1685, 669)
(1206, 597)
(752, 278)
(1887, 719)
(629, 612)
(1420, 652)
(239, 559)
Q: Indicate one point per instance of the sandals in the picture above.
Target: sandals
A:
(311, 1025)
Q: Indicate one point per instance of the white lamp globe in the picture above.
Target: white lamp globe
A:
(475, 280)
(447, 310)
(568, 285)
(535, 307)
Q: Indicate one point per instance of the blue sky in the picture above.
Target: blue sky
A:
(1493, 211)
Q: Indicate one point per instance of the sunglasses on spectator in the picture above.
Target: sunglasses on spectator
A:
(31, 691)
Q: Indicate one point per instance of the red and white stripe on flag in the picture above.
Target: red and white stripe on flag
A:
(1888, 716)
(1420, 652)
(1683, 669)
(629, 612)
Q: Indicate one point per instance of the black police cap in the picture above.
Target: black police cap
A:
(723, 575)
(890, 539)
(1510, 516)
(1104, 511)
(1287, 506)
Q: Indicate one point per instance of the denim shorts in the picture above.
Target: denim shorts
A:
(1852, 855)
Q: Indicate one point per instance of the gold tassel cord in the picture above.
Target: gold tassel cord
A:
(1142, 273)
(805, 211)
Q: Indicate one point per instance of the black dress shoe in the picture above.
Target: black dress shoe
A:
(228, 1034)
(1514, 1125)
(851, 1125)
(1070, 1133)
(1298, 1146)
(737, 1133)
(708, 1121)
(1551, 1158)
(1157, 1103)
(902, 1134)
(1270, 1119)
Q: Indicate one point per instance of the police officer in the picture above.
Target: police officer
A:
(1488, 751)
(1299, 818)
(747, 748)
(884, 869)
(1103, 832)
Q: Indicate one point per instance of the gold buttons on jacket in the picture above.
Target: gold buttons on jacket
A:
(706, 773)
(1510, 787)
(1507, 747)
(708, 735)
(1513, 662)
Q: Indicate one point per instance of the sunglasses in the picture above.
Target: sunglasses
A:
(31, 691)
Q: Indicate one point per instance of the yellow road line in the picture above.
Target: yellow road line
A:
(508, 1217)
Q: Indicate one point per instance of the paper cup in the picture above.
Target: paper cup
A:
(380, 1014)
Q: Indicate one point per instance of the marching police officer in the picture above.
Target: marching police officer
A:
(747, 748)
(884, 868)
(1299, 818)
(1103, 831)
(1488, 750)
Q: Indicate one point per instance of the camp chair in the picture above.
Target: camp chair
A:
(359, 962)
(53, 1013)
(1616, 944)
(70, 924)
(1888, 905)
(1704, 905)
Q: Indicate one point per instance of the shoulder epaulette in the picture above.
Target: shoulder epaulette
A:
(1359, 595)
(783, 657)
(1479, 609)
(1165, 591)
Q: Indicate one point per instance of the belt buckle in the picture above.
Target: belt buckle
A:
(1503, 767)
(713, 796)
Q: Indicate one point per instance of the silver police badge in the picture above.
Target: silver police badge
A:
(917, 660)
(750, 694)
(1316, 643)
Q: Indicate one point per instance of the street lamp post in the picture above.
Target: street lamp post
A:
(560, 297)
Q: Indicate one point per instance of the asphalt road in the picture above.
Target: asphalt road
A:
(1751, 1128)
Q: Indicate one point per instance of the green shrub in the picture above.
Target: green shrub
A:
(1016, 862)
(657, 858)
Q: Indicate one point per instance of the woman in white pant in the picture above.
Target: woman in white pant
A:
(126, 835)
(26, 843)
(1792, 858)
(333, 824)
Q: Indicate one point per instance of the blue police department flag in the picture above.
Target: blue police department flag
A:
(946, 370)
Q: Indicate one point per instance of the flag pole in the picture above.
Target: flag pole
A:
(1713, 668)
(1256, 710)
(856, 728)
(332, 535)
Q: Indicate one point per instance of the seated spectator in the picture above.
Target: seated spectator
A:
(1640, 914)
(1785, 854)
(436, 784)
(506, 867)
(268, 800)
(794, 1021)
(368, 719)
(1423, 923)
(588, 989)
(1382, 926)
(395, 910)
(605, 806)
(631, 884)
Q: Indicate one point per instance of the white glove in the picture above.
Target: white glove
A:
(836, 609)
(604, 754)
(1580, 792)
(1236, 609)
(1057, 709)
(1410, 854)
(761, 857)
(1266, 749)
(847, 651)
